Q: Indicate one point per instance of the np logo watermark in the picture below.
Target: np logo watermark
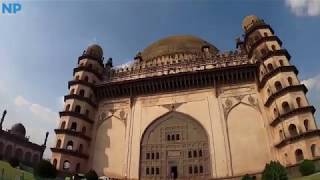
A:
(10, 8)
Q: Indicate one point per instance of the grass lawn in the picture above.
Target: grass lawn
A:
(311, 177)
(13, 173)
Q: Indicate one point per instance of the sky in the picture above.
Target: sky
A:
(39, 45)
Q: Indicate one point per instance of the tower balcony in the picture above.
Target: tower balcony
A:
(262, 40)
(293, 112)
(77, 115)
(283, 91)
(293, 139)
(276, 71)
(77, 154)
(82, 82)
(87, 69)
(86, 56)
(280, 52)
(81, 98)
(72, 133)
(261, 25)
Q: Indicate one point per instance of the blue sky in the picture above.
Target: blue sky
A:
(39, 46)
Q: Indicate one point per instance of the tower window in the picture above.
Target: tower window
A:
(86, 78)
(200, 153)
(190, 154)
(281, 62)
(152, 155)
(265, 34)
(63, 124)
(299, 155)
(147, 171)
(278, 85)
(172, 137)
(196, 169)
(81, 93)
(270, 67)
(68, 107)
(168, 137)
(66, 165)
(273, 47)
(194, 153)
(58, 145)
(73, 126)
(77, 77)
(72, 91)
(80, 148)
(201, 169)
(190, 169)
(306, 124)
(293, 130)
(290, 81)
(77, 109)
(69, 145)
(285, 107)
(298, 100)
(313, 150)
(157, 171)
(152, 170)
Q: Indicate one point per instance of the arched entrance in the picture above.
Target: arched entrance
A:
(174, 146)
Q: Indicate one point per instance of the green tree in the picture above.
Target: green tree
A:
(307, 167)
(248, 177)
(91, 175)
(45, 169)
(274, 171)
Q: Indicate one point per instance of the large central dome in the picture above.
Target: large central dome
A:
(176, 44)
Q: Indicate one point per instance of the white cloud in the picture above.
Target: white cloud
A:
(37, 110)
(304, 7)
(312, 83)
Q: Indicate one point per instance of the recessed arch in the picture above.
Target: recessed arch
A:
(164, 131)
(299, 155)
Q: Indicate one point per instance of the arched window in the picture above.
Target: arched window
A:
(78, 167)
(152, 155)
(201, 169)
(278, 85)
(285, 107)
(190, 154)
(298, 100)
(18, 154)
(172, 137)
(77, 77)
(290, 81)
(152, 170)
(275, 112)
(157, 170)
(200, 153)
(63, 125)
(269, 92)
(69, 145)
(281, 135)
(86, 78)
(177, 136)
(273, 47)
(293, 130)
(72, 91)
(313, 150)
(270, 67)
(8, 152)
(168, 137)
(74, 126)
(299, 155)
(66, 165)
(147, 171)
(1, 147)
(80, 148)
(265, 34)
(281, 62)
(196, 169)
(58, 145)
(81, 93)
(55, 163)
(195, 153)
(77, 109)
(35, 158)
(68, 107)
(84, 130)
(306, 124)
(190, 169)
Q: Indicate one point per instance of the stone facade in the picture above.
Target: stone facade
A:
(184, 110)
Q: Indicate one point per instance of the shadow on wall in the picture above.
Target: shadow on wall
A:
(101, 160)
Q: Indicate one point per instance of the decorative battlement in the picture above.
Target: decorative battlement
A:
(175, 64)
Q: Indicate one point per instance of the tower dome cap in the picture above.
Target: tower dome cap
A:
(18, 129)
(95, 51)
(249, 21)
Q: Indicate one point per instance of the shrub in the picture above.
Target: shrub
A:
(248, 177)
(14, 162)
(307, 167)
(274, 171)
(45, 169)
(91, 175)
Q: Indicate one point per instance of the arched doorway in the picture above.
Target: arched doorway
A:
(175, 146)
